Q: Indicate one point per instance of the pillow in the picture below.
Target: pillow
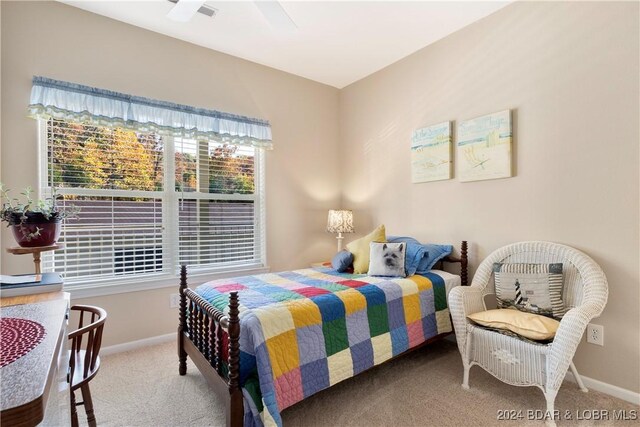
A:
(342, 261)
(415, 252)
(528, 325)
(387, 259)
(536, 288)
(434, 253)
(360, 249)
(398, 239)
(427, 258)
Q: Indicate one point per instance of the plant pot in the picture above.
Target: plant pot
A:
(49, 231)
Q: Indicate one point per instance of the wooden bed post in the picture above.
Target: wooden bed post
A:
(182, 325)
(464, 262)
(201, 331)
(236, 413)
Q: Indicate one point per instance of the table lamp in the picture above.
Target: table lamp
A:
(340, 221)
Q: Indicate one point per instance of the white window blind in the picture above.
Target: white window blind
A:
(218, 216)
(149, 203)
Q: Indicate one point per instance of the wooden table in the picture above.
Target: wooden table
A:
(26, 382)
(36, 251)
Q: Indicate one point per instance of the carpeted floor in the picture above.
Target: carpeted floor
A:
(143, 388)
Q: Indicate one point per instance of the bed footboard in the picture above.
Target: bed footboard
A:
(203, 331)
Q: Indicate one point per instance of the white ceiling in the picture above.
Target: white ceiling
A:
(336, 42)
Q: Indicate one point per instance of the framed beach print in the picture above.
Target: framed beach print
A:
(484, 147)
(431, 153)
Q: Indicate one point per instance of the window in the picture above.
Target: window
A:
(217, 209)
(151, 202)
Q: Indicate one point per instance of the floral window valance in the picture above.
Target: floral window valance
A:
(70, 101)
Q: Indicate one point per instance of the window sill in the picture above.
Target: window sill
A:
(88, 290)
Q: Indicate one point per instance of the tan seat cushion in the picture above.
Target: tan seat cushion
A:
(528, 325)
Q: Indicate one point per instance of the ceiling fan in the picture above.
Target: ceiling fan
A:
(272, 10)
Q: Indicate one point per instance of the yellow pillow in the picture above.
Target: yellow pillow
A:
(529, 325)
(360, 249)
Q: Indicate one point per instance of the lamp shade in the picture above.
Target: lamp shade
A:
(340, 221)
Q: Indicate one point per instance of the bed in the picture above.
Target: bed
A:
(266, 342)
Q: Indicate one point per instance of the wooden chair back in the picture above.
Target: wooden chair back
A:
(86, 340)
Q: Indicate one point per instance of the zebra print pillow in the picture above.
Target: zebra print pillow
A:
(536, 288)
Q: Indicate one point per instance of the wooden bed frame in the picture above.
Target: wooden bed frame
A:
(201, 333)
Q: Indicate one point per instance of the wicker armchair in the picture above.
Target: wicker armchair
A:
(523, 363)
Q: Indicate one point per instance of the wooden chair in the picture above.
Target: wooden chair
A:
(84, 361)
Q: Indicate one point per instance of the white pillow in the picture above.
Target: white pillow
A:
(387, 259)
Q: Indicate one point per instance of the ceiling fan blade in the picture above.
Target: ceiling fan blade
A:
(276, 15)
(184, 10)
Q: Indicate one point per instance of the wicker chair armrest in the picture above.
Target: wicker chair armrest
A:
(464, 300)
(565, 343)
(483, 275)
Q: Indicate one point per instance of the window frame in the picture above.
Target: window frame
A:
(170, 198)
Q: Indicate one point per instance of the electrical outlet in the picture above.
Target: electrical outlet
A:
(174, 300)
(595, 334)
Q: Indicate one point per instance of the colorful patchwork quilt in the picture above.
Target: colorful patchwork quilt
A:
(303, 331)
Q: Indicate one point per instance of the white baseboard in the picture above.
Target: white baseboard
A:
(133, 345)
(602, 387)
(610, 389)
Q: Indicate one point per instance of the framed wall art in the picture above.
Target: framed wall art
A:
(431, 153)
(484, 147)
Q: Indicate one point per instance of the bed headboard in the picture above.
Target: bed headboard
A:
(463, 260)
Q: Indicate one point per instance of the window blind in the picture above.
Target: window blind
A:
(115, 178)
(114, 237)
(94, 157)
(217, 217)
(215, 232)
(150, 202)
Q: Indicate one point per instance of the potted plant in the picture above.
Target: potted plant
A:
(34, 222)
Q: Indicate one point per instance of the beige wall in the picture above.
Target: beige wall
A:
(570, 73)
(302, 177)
